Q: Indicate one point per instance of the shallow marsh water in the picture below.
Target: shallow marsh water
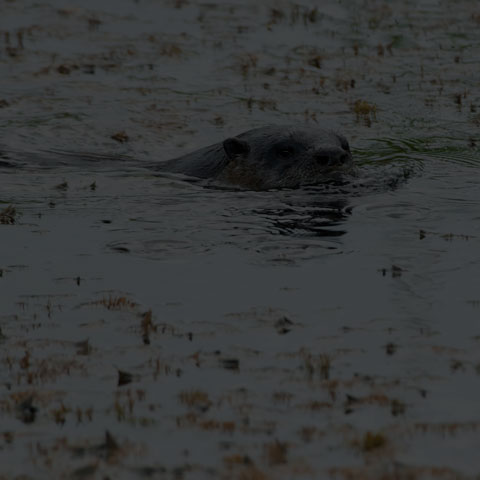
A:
(154, 328)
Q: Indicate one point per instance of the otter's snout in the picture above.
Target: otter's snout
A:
(332, 157)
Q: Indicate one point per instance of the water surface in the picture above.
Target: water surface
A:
(154, 328)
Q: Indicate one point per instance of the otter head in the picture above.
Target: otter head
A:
(284, 157)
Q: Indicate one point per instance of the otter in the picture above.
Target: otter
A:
(267, 158)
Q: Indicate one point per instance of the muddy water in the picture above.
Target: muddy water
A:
(154, 328)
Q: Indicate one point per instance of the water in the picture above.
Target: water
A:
(154, 328)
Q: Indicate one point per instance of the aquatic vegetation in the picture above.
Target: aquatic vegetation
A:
(8, 215)
(316, 365)
(196, 399)
(276, 452)
(372, 441)
(115, 303)
(124, 378)
(366, 111)
(120, 137)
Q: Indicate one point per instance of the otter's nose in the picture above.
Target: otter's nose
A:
(332, 157)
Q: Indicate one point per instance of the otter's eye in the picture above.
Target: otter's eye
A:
(285, 151)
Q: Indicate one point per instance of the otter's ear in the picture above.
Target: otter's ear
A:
(235, 147)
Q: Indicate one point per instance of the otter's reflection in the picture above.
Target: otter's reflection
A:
(316, 219)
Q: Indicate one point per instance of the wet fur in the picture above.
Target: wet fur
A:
(257, 170)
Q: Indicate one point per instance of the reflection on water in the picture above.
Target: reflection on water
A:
(312, 220)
